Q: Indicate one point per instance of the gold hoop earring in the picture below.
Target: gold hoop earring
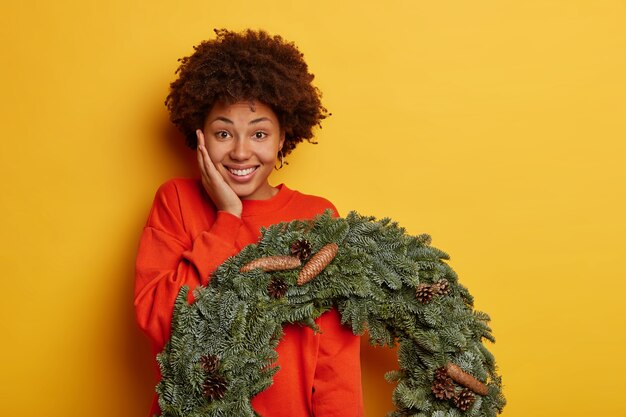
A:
(282, 160)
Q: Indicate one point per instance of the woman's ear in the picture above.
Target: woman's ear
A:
(282, 140)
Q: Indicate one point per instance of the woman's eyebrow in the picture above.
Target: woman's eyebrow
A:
(260, 119)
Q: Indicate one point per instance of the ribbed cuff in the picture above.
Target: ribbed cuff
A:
(226, 226)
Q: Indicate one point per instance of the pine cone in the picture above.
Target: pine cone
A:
(442, 287)
(441, 373)
(461, 377)
(464, 399)
(277, 288)
(272, 263)
(443, 388)
(210, 363)
(424, 293)
(301, 249)
(317, 263)
(214, 387)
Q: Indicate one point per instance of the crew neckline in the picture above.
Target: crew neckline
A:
(255, 207)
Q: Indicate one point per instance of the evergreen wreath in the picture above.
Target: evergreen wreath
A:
(394, 286)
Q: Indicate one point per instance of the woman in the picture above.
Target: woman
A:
(243, 101)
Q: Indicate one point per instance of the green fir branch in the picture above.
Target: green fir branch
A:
(372, 282)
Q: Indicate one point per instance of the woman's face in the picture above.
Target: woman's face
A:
(242, 140)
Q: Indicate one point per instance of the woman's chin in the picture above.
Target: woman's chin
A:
(250, 192)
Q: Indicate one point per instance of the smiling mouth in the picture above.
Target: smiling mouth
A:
(242, 172)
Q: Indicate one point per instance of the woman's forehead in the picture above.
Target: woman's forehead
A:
(243, 106)
(243, 111)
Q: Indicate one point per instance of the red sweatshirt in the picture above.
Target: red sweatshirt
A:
(186, 239)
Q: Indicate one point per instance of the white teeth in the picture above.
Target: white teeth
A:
(242, 172)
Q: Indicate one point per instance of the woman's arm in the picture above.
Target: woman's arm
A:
(337, 381)
(168, 259)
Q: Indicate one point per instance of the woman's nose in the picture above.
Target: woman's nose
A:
(240, 150)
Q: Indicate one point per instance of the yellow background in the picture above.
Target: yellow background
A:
(497, 126)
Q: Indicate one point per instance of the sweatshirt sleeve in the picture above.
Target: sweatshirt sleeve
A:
(169, 258)
(337, 380)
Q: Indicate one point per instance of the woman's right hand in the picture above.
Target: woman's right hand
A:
(224, 197)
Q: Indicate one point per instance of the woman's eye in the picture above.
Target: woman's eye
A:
(260, 135)
(222, 134)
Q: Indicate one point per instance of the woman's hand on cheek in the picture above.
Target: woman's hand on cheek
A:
(224, 198)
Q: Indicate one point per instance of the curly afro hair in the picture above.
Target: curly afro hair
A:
(246, 66)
